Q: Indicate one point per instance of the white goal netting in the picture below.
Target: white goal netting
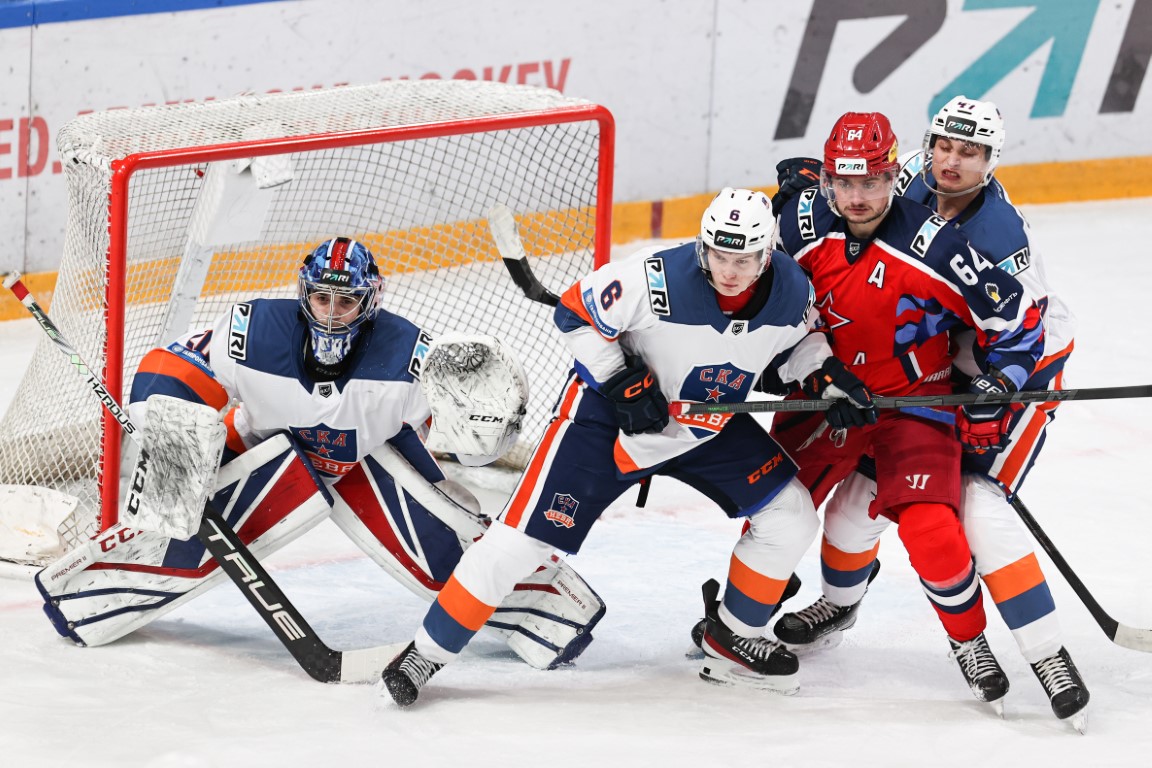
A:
(176, 211)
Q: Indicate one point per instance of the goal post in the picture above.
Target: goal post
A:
(177, 211)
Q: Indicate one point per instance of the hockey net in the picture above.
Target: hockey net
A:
(177, 211)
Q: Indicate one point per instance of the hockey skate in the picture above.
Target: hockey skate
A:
(820, 625)
(790, 590)
(406, 674)
(753, 662)
(981, 670)
(1065, 688)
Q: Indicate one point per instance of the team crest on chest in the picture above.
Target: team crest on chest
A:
(332, 451)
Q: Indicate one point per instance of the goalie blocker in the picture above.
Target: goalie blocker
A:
(415, 529)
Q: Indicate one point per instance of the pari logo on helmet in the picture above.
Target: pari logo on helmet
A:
(860, 159)
(737, 221)
(338, 288)
(975, 133)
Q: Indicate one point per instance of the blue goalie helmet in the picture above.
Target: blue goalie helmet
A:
(339, 286)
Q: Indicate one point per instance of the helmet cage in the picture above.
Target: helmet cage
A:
(340, 267)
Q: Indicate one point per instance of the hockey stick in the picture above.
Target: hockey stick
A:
(1121, 634)
(684, 408)
(511, 248)
(289, 626)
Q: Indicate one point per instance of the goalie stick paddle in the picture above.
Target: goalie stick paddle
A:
(503, 227)
(686, 408)
(317, 659)
(1121, 634)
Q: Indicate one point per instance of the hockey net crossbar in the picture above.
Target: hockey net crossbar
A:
(177, 211)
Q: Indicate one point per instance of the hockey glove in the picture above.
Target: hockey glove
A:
(794, 175)
(982, 428)
(853, 405)
(640, 405)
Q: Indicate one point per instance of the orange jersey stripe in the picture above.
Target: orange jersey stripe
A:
(573, 300)
(459, 603)
(531, 477)
(1015, 578)
(840, 560)
(161, 362)
(757, 586)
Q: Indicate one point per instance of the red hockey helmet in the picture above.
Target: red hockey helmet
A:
(861, 144)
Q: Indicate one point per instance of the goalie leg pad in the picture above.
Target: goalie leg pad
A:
(127, 578)
(417, 531)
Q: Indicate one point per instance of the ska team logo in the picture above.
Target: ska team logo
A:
(562, 512)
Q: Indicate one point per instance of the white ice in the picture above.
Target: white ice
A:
(209, 685)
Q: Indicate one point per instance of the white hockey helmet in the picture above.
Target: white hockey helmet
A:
(737, 221)
(964, 119)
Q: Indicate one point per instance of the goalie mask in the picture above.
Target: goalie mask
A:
(338, 288)
(737, 221)
(970, 125)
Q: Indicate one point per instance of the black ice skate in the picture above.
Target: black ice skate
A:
(753, 662)
(406, 674)
(1064, 687)
(981, 670)
(790, 590)
(820, 625)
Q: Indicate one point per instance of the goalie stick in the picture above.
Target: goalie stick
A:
(503, 227)
(317, 659)
(1121, 634)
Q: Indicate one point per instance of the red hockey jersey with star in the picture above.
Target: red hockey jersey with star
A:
(889, 302)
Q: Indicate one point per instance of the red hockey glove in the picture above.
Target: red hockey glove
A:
(640, 405)
(983, 428)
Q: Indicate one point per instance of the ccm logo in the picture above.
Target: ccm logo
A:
(486, 419)
(767, 467)
(638, 388)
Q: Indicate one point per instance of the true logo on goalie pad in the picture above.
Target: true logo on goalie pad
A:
(563, 510)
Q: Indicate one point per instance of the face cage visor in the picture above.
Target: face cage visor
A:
(332, 338)
(702, 248)
(850, 189)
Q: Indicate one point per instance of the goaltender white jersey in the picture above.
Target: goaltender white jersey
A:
(658, 305)
(253, 356)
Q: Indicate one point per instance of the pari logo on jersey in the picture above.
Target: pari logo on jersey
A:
(562, 510)
(419, 352)
(804, 214)
(238, 331)
(657, 286)
(331, 451)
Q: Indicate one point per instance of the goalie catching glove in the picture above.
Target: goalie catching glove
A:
(478, 395)
(176, 470)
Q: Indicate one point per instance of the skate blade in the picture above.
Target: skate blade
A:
(997, 707)
(721, 672)
(824, 643)
(1079, 721)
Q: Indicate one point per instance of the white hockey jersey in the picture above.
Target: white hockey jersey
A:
(658, 305)
(255, 353)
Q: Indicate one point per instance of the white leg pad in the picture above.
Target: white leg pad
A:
(94, 598)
